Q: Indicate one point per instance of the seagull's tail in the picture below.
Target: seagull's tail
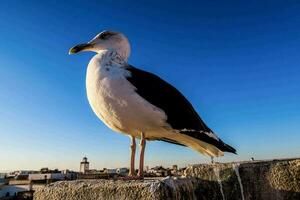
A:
(198, 141)
(205, 144)
(225, 147)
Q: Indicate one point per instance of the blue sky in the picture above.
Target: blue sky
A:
(236, 61)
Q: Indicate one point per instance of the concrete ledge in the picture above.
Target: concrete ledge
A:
(168, 188)
(259, 180)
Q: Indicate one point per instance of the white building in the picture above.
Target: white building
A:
(122, 171)
(84, 165)
(111, 171)
(47, 176)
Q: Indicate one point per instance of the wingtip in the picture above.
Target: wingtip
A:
(230, 149)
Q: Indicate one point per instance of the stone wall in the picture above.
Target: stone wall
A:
(168, 188)
(256, 180)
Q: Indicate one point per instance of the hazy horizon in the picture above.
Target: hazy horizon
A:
(167, 166)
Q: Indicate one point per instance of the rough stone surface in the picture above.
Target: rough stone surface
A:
(168, 188)
(260, 180)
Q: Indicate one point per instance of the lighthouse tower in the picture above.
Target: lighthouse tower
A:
(84, 165)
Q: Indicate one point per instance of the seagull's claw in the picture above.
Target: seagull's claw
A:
(129, 178)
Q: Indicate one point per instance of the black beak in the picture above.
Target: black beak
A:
(79, 48)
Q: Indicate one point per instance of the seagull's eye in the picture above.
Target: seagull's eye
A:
(104, 36)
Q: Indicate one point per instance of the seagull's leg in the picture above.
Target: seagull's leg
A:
(132, 156)
(142, 151)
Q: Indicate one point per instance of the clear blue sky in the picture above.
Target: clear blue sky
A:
(237, 62)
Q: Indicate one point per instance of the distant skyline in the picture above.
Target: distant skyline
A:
(237, 62)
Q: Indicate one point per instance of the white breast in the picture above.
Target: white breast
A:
(114, 100)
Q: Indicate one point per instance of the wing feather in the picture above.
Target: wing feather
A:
(180, 113)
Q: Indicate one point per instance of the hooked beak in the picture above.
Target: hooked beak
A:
(80, 47)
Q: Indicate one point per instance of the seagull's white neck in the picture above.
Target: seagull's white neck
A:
(108, 57)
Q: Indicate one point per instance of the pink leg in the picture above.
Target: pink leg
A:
(142, 151)
(132, 156)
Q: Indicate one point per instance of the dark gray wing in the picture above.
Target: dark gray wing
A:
(180, 113)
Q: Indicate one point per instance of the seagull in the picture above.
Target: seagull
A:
(140, 104)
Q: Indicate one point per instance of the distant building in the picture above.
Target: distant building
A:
(122, 171)
(84, 165)
(51, 176)
(110, 171)
(174, 170)
(46, 170)
(20, 175)
(158, 171)
(2, 181)
(46, 176)
(2, 175)
(174, 167)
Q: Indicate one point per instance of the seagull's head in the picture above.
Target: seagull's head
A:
(106, 40)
